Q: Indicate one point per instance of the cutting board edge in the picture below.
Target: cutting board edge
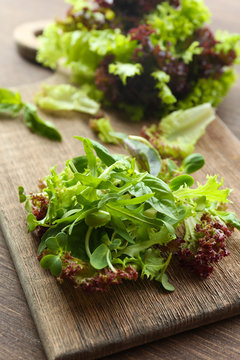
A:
(25, 287)
(101, 349)
(141, 339)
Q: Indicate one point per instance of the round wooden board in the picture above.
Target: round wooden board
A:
(26, 38)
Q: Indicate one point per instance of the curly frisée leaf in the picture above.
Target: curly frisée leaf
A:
(165, 93)
(125, 70)
(101, 220)
(211, 190)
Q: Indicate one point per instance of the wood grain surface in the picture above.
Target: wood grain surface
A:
(72, 323)
(19, 339)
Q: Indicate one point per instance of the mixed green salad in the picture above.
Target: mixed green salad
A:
(106, 218)
(147, 57)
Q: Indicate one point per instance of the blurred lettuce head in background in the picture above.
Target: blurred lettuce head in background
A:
(148, 58)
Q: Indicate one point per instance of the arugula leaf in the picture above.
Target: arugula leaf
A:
(80, 163)
(38, 125)
(101, 151)
(32, 222)
(146, 155)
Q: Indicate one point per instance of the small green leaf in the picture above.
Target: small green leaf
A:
(181, 180)
(193, 163)
(52, 244)
(31, 222)
(51, 232)
(166, 284)
(10, 102)
(22, 196)
(80, 163)
(103, 153)
(98, 218)
(135, 200)
(172, 166)
(98, 258)
(62, 240)
(38, 125)
(146, 155)
(229, 218)
(125, 70)
(115, 244)
(201, 203)
(52, 263)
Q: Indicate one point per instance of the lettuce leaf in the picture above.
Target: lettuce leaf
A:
(174, 24)
(125, 70)
(193, 49)
(103, 128)
(177, 133)
(66, 97)
(228, 42)
(210, 90)
(50, 49)
(211, 190)
(165, 93)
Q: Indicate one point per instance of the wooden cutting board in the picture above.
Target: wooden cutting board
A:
(73, 324)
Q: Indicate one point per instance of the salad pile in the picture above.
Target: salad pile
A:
(106, 218)
(147, 57)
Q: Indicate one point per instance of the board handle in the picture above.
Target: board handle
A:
(26, 38)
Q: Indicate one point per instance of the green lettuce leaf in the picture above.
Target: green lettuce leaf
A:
(193, 49)
(211, 190)
(124, 70)
(228, 217)
(103, 128)
(174, 24)
(210, 90)
(228, 42)
(165, 93)
(50, 49)
(65, 97)
(10, 102)
(177, 133)
(81, 4)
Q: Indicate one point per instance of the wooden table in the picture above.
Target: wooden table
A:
(19, 338)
